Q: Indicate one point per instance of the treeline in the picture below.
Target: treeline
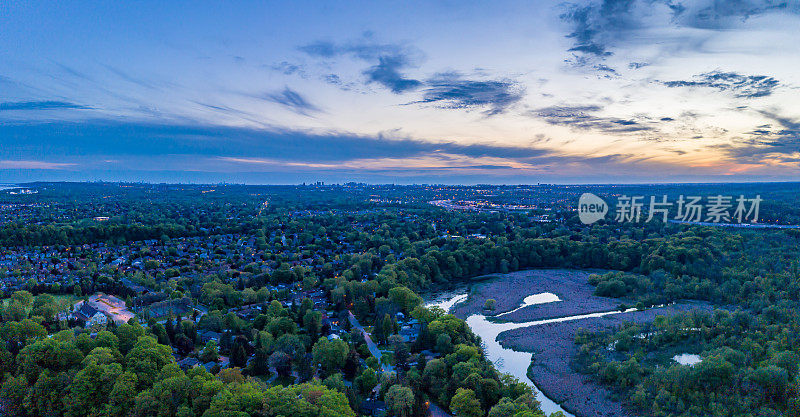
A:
(129, 370)
(128, 373)
(749, 364)
(17, 234)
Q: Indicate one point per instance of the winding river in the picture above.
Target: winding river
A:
(508, 360)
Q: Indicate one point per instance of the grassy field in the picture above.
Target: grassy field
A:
(64, 301)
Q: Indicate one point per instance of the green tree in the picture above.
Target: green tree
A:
(13, 392)
(312, 321)
(146, 359)
(128, 335)
(400, 400)
(25, 298)
(330, 354)
(210, 352)
(465, 404)
(404, 298)
(89, 390)
(122, 396)
(366, 381)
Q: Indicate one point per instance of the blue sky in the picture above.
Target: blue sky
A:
(402, 92)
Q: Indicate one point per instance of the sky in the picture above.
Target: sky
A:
(446, 92)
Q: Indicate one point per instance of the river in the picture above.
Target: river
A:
(508, 360)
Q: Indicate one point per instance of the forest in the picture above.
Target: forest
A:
(269, 301)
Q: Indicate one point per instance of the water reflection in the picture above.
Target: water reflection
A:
(541, 298)
(687, 359)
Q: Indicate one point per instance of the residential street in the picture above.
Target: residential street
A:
(373, 348)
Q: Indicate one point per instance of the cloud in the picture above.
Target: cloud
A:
(206, 153)
(605, 68)
(715, 14)
(131, 79)
(113, 139)
(596, 27)
(388, 61)
(777, 142)
(39, 105)
(15, 164)
(780, 139)
(742, 86)
(292, 100)
(288, 68)
(387, 73)
(452, 91)
(321, 49)
(592, 23)
(434, 160)
(584, 118)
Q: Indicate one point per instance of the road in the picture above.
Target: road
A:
(436, 411)
(373, 348)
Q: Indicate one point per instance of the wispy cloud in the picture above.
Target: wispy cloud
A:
(288, 68)
(594, 25)
(777, 141)
(141, 82)
(387, 73)
(597, 27)
(292, 100)
(451, 90)
(111, 138)
(388, 61)
(585, 118)
(742, 86)
(39, 105)
(715, 14)
(11, 164)
(322, 49)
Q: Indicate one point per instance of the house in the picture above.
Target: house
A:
(372, 407)
(188, 363)
(409, 333)
(90, 315)
(208, 335)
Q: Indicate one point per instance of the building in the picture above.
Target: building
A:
(90, 315)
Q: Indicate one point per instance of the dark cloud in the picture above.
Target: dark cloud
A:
(606, 71)
(292, 100)
(779, 140)
(605, 68)
(452, 91)
(387, 73)
(102, 137)
(716, 14)
(322, 49)
(743, 86)
(39, 105)
(597, 26)
(583, 118)
(593, 22)
(131, 151)
(388, 61)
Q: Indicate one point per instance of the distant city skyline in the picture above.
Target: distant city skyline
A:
(603, 91)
